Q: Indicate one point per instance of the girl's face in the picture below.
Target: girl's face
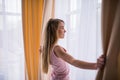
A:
(61, 30)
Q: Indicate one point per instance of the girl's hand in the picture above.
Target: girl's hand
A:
(41, 49)
(101, 61)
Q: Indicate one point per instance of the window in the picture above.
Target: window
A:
(83, 36)
(11, 41)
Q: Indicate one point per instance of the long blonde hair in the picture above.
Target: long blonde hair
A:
(50, 38)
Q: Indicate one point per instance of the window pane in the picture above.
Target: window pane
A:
(13, 22)
(1, 22)
(79, 5)
(13, 6)
(1, 29)
(99, 1)
(73, 21)
(13, 63)
(0, 5)
(14, 28)
(73, 5)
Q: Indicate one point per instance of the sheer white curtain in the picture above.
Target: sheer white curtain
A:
(11, 41)
(83, 36)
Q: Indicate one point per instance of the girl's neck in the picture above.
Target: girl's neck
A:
(56, 44)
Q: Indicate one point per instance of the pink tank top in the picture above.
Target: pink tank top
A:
(60, 69)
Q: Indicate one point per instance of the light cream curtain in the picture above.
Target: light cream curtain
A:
(48, 12)
(111, 40)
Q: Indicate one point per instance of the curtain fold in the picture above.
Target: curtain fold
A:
(111, 40)
(32, 11)
(48, 12)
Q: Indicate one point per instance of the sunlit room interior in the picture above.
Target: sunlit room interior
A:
(92, 29)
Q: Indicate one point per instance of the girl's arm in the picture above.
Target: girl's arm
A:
(60, 52)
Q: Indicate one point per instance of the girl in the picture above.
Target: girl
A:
(56, 56)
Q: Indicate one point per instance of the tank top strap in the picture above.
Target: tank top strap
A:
(54, 47)
(59, 46)
(53, 52)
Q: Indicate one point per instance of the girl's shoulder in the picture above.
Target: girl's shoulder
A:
(58, 46)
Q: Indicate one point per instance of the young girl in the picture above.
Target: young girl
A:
(56, 56)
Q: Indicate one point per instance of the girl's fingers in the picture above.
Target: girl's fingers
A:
(41, 49)
(100, 62)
